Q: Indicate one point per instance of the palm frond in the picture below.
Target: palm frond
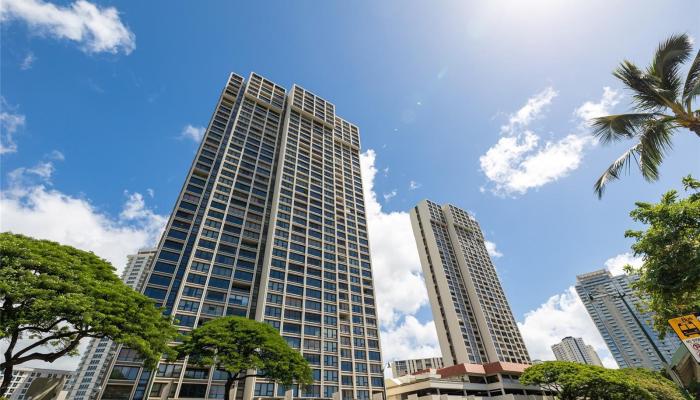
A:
(611, 128)
(643, 86)
(692, 81)
(614, 170)
(655, 141)
(671, 53)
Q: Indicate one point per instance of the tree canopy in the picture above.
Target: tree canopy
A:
(669, 277)
(52, 296)
(574, 381)
(663, 103)
(238, 345)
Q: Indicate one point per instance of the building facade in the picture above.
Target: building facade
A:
(92, 370)
(270, 224)
(410, 367)
(37, 383)
(628, 333)
(575, 350)
(492, 381)
(474, 322)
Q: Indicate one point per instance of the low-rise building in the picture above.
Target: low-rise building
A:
(687, 369)
(37, 383)
(410, 367)
(492, 381)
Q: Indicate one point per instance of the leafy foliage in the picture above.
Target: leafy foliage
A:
(663, 104)
(574, 381)
(52, 296)
(670, 246)
(237, 345)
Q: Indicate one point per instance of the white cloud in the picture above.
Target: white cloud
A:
(194, 133)
(41, 171)
(411, 339)
(589, 110)
(10, 121)
(394, 253)
(617, 264)
(516, 164)
(560, 316)
(389, 196)
(95, 29)
(530, 111)
(521, 161)
(27, 61)
(56, 155)
(39, 211)
(491, 249)
(413, 185)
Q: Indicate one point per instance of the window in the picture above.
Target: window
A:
(196, 373)
(169, 370)
(216, 392)
(263, 389)
(125, 373)
(157, 389)
(117, 392)
(126, 354)
(193, 390)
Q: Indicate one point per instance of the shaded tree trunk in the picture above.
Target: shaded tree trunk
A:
(228, 386)
(6, 379)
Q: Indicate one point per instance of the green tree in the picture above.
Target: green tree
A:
(574, 381)
(238, 345)
(663, 104)
(52, 296)
(669, 277)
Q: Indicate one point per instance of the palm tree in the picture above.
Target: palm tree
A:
(663, 104)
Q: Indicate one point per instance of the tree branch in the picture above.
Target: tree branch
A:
(247, 376)
(40, 329)
(44, 341)
(8, 352)
(49, 357)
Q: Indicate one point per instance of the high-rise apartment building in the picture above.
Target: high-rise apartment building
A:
(474, 322)
(574, 349)
(410, 367)
(88, 379)
(270, 224)
(612, 304)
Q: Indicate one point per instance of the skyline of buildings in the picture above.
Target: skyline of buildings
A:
(474, 321)
(270, 224)
(576, 350)
(87, 381)
(629, 334)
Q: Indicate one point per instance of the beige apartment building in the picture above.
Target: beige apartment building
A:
(270, 224)
(575, 350)
(474, 322)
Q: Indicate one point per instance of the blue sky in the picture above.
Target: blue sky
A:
(96, 101)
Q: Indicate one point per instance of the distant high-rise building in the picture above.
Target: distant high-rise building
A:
(29, 383)
(474, 322)
(270, 224)
(629, 334)
(574, 349)
(88, 379)
(409, 367)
